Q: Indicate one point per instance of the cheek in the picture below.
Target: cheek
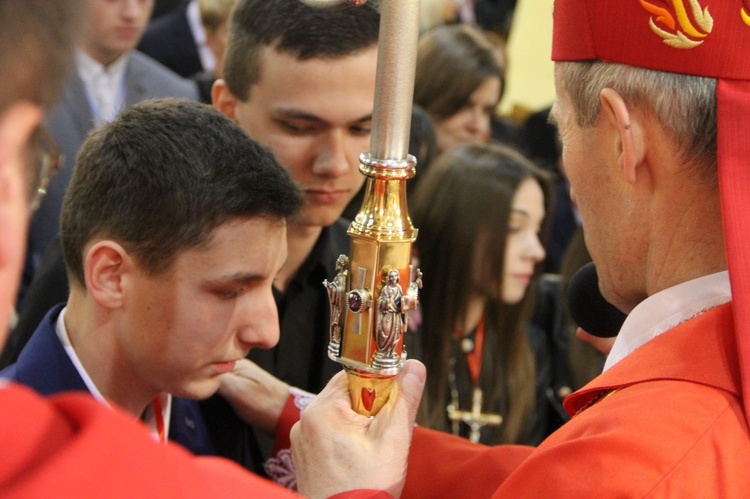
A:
(355, 148)
(294, 154)
(445, 135)
(455, 123)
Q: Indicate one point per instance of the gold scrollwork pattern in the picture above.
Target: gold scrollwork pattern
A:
(678, 27)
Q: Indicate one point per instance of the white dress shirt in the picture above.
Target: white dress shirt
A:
(206, 55)
(105, 86)
(666, 309)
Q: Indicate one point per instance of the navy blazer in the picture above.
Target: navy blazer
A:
(45, 366)
(170, 41)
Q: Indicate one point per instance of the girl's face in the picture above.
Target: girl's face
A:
(471, 124)
(523, 249)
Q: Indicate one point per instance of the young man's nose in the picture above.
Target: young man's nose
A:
(331, 159)
(258, 321)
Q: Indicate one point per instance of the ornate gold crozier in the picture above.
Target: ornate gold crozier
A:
(375, 287)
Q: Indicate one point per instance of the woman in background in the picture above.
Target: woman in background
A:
(458, 81)
(480, 210)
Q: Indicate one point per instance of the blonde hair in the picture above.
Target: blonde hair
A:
(215, 12)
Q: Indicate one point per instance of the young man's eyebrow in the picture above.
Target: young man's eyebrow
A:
(237, 278)
(302, 115)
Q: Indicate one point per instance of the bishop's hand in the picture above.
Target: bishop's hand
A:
(336, 449)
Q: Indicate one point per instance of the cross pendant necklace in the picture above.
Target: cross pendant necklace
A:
(475, 419)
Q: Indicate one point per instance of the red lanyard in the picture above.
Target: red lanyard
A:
(474, 358)
(159, 418)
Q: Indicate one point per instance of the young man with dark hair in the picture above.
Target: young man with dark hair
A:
(173, 230)
(70, 445)
(302, 82)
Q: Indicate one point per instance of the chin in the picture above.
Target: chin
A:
(198, 391)
(320, 219)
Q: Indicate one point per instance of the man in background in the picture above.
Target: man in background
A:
(109, 75)
(173, 229)
(302, 82)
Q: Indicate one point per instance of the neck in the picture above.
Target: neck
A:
(92, 333)
(103, 58)
(300, 241)
(689, 243)
(474, 312)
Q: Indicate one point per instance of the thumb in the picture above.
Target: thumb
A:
(406, 395)
(411, 386)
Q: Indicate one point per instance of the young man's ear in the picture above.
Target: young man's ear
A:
(628, 137)
(223, 99)
(105, 264)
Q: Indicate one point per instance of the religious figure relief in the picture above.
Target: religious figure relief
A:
(411, 299)
(337, 299)
(390, 318)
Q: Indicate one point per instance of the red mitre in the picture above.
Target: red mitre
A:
(698, 37)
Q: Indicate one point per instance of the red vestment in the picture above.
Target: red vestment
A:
(665, 421)
(668, 422)
(72, 446)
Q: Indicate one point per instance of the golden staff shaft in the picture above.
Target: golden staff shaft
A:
(370, 298)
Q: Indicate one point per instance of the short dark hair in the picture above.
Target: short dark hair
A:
(292, 27)
(36, 44)
(162, 177)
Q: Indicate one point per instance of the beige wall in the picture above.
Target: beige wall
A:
(529, 82)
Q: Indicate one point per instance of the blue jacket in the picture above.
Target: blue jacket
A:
(44, 366)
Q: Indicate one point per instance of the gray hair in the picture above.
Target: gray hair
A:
(684, 105)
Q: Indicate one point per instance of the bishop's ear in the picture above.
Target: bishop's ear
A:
(105, 265)
(627, 133)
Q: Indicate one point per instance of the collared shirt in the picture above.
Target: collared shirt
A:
(466, 12)
(206, 55)
(105, 86)
(666, 309)
(148, 416)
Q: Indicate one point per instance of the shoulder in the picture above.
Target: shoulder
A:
(63, 446)
(158, 78)
(673, 436)
(165, 26)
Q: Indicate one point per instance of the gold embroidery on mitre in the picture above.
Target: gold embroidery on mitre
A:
(676, 28)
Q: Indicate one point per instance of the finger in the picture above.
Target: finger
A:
(604, 345)
(411, 386)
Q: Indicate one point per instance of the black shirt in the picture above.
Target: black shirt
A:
(301, 356)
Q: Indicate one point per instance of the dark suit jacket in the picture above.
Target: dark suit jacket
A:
(44, 366)
(48, 288)
(170, 41)
(71, 121)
